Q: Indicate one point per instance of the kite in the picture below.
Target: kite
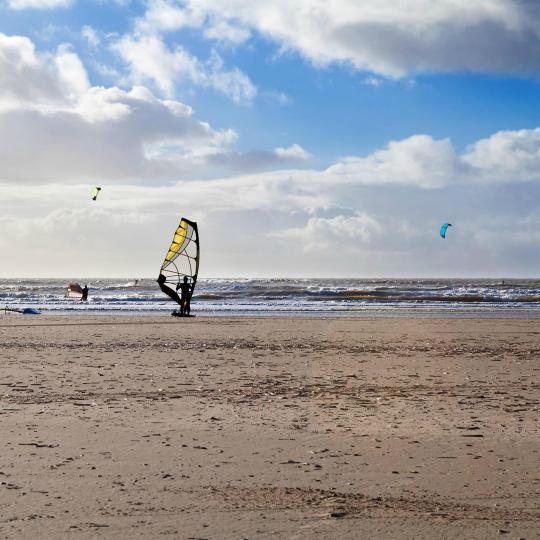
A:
(95, 192)
(445, 226)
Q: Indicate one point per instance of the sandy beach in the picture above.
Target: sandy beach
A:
(126, 427)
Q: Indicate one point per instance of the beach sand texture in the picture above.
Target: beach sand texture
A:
(141, 427)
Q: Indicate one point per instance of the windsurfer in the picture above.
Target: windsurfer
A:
(178, 274)
(186, 291)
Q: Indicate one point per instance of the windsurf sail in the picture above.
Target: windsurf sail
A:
(95, 192)
(74, 290)
(181, 261)
(444, 227)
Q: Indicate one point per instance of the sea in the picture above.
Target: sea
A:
(288, 297)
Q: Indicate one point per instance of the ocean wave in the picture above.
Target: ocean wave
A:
(260, 295)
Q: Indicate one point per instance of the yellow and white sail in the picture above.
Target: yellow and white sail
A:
(182, 259)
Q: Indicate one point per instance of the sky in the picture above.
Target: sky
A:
(307, 138)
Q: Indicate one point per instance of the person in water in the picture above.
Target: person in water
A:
(84, 296)
(185, 296)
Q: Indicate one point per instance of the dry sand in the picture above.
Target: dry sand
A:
(277, 427)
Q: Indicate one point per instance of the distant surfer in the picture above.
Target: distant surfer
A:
(84, 296)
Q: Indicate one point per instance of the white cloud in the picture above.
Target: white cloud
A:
(292, 152)
(320, 233)
(305, 230)
(392, 39)
(90, 35)
(506, 156)
(71, 72)
(108, 133)
(169, 15)
(373, 81)
(381, 208)
(418, 160)
(307, 225)
(26, 78)
(38, 4)
(164, 15)
(149, 59)
(273, 96)
(75, 132)
(220, 30)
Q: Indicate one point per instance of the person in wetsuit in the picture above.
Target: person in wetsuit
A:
(84, 296)
(183, 299)
(186, 291)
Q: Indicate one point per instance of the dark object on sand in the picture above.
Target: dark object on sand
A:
(24, 311)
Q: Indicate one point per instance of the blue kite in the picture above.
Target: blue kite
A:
(444, 226)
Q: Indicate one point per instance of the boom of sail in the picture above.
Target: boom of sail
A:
(182, 260)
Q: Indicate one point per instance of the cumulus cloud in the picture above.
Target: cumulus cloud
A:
(71, 72)
(271, 224)
(221, 30)
(506, 156)
(418, 160)
(149, 59)
(375, 82)
(292, 152)
(38, 4)
(392, 39)
(170, 15)
(166, 15)
(75, 132)
(58, 133)
(109, 134)
(321, 233)
(24, 77)
(90, 35)
(41, 82)
(421, 161)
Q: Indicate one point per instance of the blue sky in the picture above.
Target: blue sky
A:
(339, 136)
(332, 110)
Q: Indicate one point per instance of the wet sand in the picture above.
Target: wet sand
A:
(269, 428)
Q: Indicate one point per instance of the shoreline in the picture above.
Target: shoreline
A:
(375, 312)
